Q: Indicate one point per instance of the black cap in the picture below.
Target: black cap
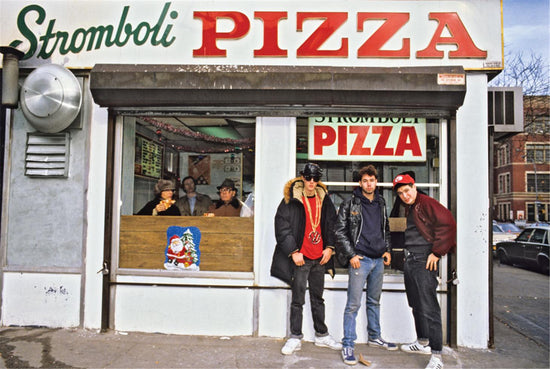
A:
(312, 169)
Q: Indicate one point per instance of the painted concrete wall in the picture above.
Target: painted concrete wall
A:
(95, 215)
(34, 238)
(472, 197)
(184, 310)
(50, 300)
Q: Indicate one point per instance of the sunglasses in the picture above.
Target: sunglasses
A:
(309, 178)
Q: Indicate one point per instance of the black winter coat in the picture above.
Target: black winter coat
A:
(150, 206)
(290, 223)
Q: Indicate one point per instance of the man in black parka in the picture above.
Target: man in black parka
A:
(304, 229)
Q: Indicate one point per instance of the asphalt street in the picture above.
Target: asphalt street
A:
(521, 301)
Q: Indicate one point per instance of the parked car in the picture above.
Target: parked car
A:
(529, 248)
(504, 232)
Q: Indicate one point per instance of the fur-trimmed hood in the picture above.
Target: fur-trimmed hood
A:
(295, 188)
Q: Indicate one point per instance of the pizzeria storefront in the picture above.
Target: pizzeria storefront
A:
(247, 92)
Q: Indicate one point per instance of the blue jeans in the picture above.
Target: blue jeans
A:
(371, 271)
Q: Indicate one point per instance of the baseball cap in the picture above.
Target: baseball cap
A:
(402, 179)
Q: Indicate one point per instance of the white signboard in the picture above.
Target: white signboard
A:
(367, 139)
(389, 33)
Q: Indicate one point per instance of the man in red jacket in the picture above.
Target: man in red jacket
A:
(430, 234)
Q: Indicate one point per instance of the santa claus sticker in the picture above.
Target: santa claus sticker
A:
(182, 249)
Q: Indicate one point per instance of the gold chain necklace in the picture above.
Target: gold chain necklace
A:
(314, 236)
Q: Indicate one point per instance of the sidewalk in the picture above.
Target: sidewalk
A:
(78, 348)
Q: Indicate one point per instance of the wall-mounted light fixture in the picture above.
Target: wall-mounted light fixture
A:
(51, 98)
(10, 75)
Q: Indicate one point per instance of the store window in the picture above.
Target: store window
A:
(187, 190)
(341, 174)
(541, 208)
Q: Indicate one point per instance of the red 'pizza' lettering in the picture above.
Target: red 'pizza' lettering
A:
(342, 140)
(465, 47)
(271, 34)
(384, 132)
(393, 23)
(408, 140)
(322, 136)
(210, 34)
(310, 47)
(361, 132)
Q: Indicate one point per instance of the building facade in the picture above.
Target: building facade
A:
(130, 93)
(522, 178)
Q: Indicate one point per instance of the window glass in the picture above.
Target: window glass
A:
(186, 194)
(524, 236)
(426, 172)
(542, 181)
(538, 236)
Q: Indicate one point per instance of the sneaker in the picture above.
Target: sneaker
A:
(327, 341)
(379, 342)
(435, 362)
(291, 346)
(416, 348)
(349, 356)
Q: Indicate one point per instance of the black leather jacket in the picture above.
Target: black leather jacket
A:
(349, 224)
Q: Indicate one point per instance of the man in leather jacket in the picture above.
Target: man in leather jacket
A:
(363, 243)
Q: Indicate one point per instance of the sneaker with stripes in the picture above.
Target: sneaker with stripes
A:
(416, 348)
(435, 362)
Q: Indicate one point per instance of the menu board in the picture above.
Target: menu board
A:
(148, 161)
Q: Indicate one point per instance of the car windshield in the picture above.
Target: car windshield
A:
(509, 227)
(497, 229)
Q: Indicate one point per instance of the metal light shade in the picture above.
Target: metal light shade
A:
(10, 75)
(51, 98)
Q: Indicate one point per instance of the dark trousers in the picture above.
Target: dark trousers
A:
(421, 285)
(313, 273)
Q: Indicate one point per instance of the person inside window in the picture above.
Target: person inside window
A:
(228, 205)
(163, 203)
(192, 203)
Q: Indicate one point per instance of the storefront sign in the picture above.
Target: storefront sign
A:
(373, 33)
(367, 139)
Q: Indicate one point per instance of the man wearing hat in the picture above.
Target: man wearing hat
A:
(228, 205)
(430, 234)
(304, 230)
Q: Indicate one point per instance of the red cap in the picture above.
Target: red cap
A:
(402, 179)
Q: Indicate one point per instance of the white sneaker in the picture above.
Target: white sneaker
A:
(416, 348)
(435, 362)
(327, 341)
(291, 346)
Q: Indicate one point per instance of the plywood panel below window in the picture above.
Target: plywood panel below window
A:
(227, 243)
